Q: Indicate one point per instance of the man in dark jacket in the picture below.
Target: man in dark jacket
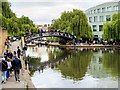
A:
(17, 66)
(10, 54)
(4, 69)
(6, 54)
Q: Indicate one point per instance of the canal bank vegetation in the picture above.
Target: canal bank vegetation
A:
(14, 25)
(74, 22)
(111, 29)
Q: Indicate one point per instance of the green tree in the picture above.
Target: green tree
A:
(73, 22)
(6, 11)
(15, 26)
(111, 30)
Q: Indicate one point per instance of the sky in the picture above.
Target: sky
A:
(44, 11)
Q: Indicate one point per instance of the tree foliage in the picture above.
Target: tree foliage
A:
(73, 22)
(15, 26)
(111, 30)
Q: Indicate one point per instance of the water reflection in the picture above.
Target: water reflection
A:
(98, 67)
(76, 66)
(111, 62)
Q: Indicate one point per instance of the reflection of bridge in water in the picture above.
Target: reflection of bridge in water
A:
(55, 61)
(38, 36)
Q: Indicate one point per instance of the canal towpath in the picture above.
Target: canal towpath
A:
(24, 74)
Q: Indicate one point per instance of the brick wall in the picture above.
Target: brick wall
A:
(3, 36)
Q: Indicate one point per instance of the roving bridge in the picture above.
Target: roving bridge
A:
(39, 35)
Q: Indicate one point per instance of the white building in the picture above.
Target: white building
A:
(99, 14)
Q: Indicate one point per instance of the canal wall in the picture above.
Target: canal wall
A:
(82, 45)
(26, 76)
(86, 46)
(3, 36)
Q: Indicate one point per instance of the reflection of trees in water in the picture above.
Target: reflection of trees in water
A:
(76, 66)
(111, 62)
(33, 63)
(58, 54)
(74, 63)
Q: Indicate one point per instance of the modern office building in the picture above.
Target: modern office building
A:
(99, 14)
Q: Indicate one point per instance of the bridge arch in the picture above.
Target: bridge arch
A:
(39, 35)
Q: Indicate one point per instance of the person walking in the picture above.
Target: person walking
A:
(9, 67)
(18, 52)
(16, 65)
(4, 69)
(6, 54)
(10, 54)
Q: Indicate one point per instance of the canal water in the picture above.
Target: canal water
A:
(55, 67)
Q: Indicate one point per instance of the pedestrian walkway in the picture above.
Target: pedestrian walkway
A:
(11, 83)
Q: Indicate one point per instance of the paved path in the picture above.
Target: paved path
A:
(11, 83)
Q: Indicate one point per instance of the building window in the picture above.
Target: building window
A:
(95, 11)
(100, 27)
(109, 8)
(108, 18)
(94, 27)
(103, 9)
(98, 10)
(90, 19)
(95, 19)
(91, 11)
(95, 36)
(115, 8)
(101, 18)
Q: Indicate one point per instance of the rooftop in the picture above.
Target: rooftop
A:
(103, 4)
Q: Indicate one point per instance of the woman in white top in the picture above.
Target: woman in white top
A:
(9, 67)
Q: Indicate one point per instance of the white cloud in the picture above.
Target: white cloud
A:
(43, 11)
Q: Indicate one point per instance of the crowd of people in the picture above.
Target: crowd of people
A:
(72, 40)
(11, 63)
